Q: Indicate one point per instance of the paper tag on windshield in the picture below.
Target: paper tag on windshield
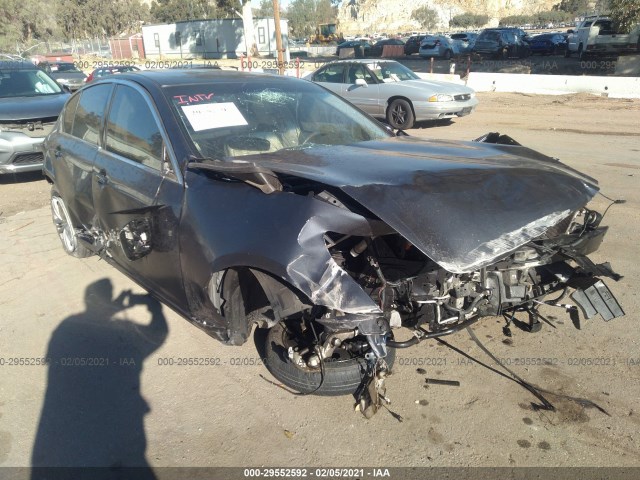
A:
(213, 115)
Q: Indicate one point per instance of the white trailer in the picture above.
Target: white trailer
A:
(214, 38)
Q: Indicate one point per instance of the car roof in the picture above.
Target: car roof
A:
(169, 77)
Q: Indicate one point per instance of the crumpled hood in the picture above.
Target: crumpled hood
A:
(463, 204)
(31, 108)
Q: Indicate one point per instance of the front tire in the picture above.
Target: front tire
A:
(400, 114)
(64, 226)
(342, 376)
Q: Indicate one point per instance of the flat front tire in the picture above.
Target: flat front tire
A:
(341, 376)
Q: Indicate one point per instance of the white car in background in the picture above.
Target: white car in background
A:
(387, 89)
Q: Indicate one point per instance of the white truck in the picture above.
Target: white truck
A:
(595, 35)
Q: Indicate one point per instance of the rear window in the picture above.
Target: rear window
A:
(69, 114)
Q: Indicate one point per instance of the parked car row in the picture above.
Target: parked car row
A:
(363, 48)
(507, 42)
(593, 35)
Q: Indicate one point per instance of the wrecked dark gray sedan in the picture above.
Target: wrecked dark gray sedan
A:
(241, 199)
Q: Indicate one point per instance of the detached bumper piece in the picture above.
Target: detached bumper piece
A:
(597, 299)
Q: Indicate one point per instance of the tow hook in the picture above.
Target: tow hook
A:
(373, 392)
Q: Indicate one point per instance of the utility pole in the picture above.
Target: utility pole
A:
(276, 18)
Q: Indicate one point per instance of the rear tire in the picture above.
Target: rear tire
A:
(64, 226)
(341, 377)
(400, 114)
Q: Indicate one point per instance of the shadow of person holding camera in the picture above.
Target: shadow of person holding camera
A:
(93, 411)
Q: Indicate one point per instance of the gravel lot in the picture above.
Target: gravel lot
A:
(137, 411)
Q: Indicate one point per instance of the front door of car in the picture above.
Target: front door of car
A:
(331, 77)
(137, 195)
(362, 89)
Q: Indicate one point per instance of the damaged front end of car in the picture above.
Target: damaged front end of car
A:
(432, 246)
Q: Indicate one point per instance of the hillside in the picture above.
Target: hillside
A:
(360, 16)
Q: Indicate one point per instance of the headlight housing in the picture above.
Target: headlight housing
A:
(441, 97)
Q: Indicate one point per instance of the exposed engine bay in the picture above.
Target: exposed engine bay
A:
(414, 292)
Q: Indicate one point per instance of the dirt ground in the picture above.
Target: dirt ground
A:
(138, 410)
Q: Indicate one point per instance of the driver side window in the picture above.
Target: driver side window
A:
(132, 131)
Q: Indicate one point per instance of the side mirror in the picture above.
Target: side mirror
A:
(570, 31)
(361, 82)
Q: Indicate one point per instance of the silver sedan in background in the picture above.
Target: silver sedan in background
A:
(437, 46)
(387, 89)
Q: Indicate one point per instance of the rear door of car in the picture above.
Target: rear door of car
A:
(74, 147)
(138, 192)
(366, 97)
(331, 77)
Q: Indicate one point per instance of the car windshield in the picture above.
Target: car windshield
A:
(26, 83)
(237, 119)
(392, 71)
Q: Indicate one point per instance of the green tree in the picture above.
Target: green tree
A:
(515, 20)
(467, 20)
(170, 11)
(625, 14)
(93, 18)
(266, 9)
(305, 15)
(572, 6)
(426, 17)
(26, 23)
(230, 8)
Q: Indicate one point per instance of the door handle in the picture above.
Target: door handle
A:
(101, 177)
